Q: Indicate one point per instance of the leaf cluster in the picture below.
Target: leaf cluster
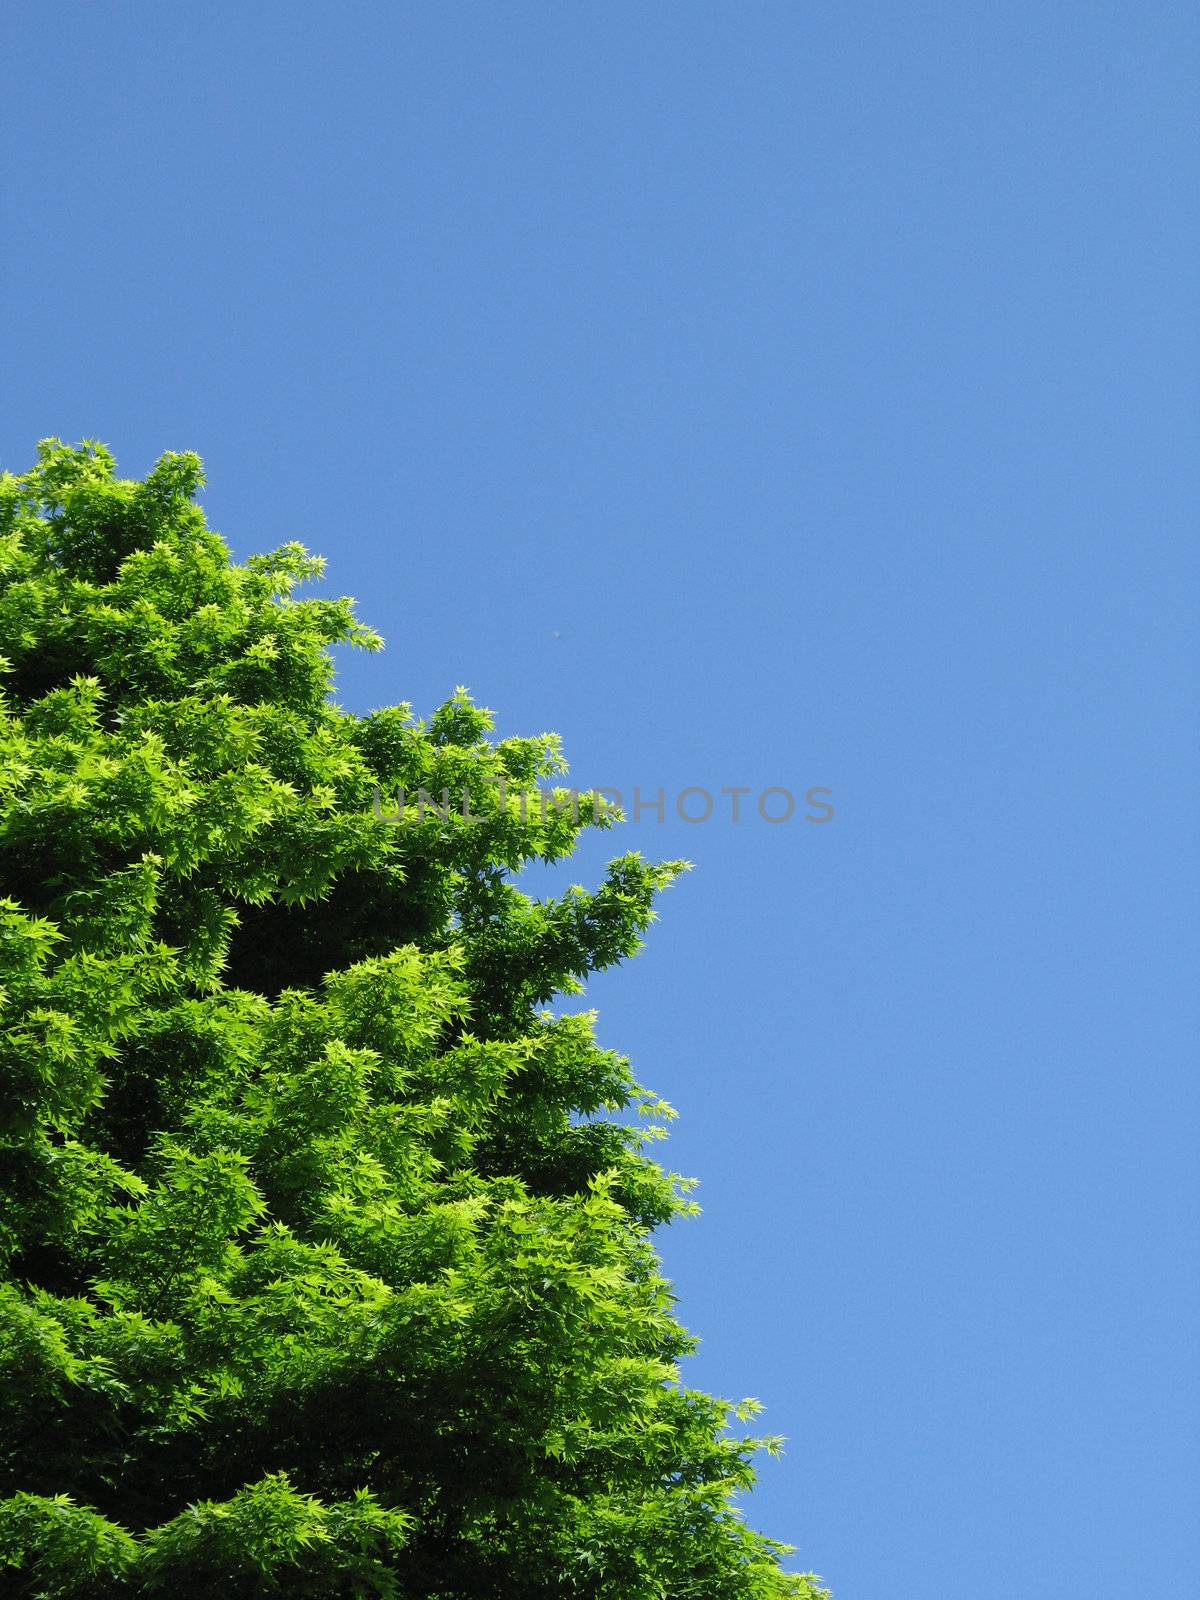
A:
(326, 1246)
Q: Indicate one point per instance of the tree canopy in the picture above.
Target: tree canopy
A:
(327, 1260)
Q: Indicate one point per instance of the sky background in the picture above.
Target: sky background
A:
(756, 394)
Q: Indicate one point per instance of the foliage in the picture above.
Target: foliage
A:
(326, 1247)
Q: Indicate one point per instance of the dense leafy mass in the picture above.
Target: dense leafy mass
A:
(326, 1246)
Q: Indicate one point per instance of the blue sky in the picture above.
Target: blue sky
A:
(757, 394)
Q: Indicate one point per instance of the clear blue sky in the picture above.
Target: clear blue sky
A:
(826, 377)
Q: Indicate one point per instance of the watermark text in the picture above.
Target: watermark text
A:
(694, 804)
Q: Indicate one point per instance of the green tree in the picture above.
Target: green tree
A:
(327, 1261)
